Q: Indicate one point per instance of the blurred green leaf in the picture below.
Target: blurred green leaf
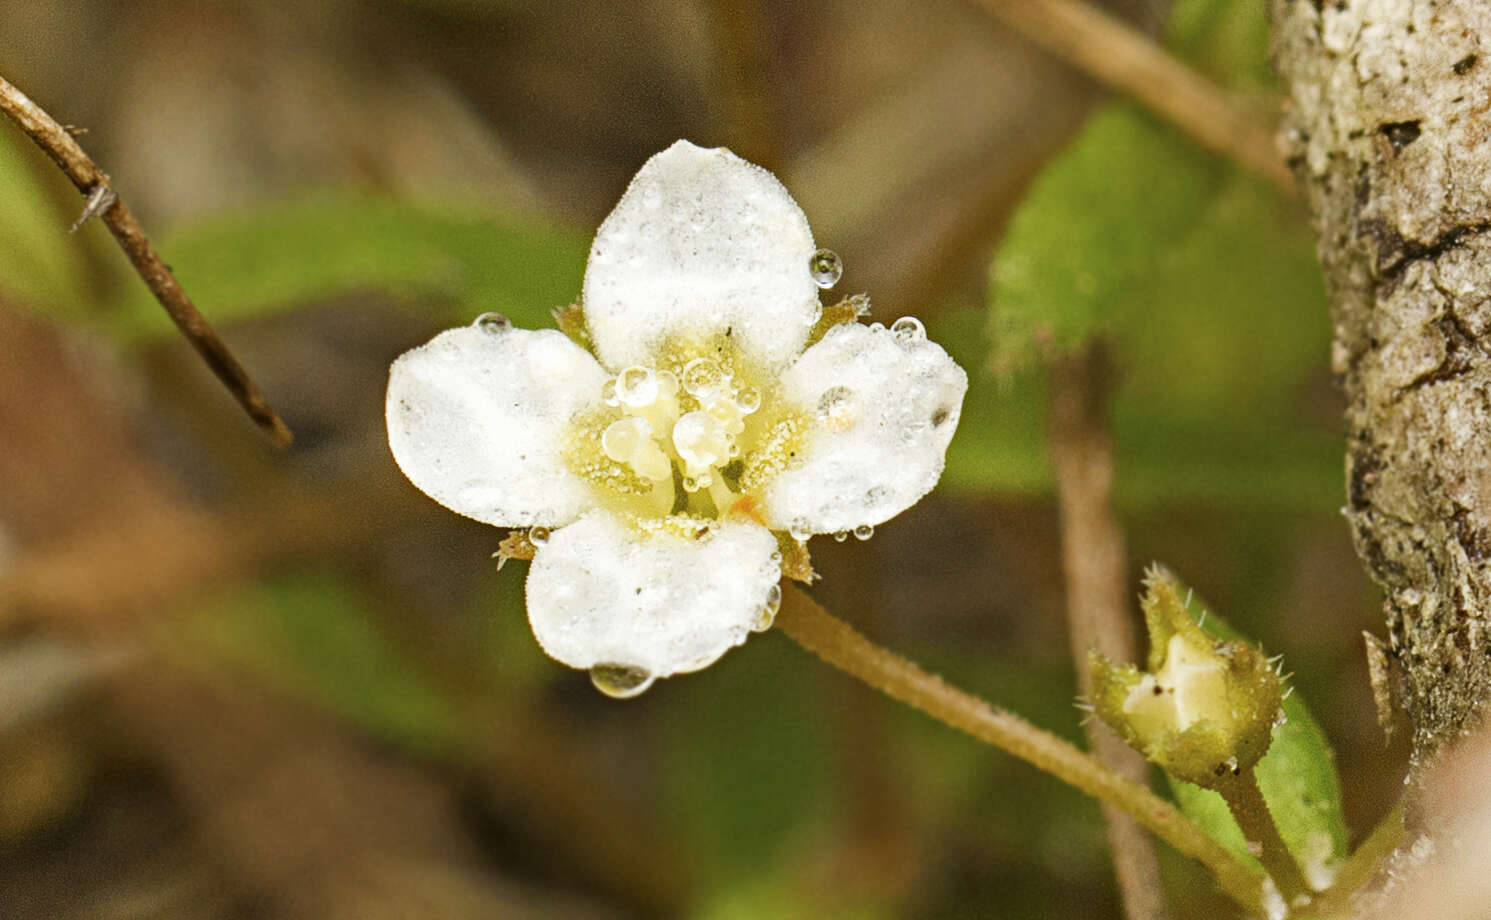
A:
(1095, 229)
(313, 637)
(1225, 39)
(245, 265)
(1203, 280)
(42, 262)
(1297, 776)
(746, 766)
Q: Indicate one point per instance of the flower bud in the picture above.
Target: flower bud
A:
(1204, 710)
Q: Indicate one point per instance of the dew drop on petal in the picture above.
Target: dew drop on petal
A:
(836, 408)
(493, 322)
(538, 536)
(908, 329)
(799, 531)
(864, 532)
(861, 304)
(776, 557)
(690, 484)
(636, 386)
(826, 267)
(748, 400)
(841, 536)
(768, 612)
(620, 681)
(701, 377)
(877, 327)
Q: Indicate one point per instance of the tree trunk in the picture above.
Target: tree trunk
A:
(1389, 132)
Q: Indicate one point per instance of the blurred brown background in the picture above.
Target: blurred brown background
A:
(236, 683)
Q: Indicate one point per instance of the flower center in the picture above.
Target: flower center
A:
(680, 427)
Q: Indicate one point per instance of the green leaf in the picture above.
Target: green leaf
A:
(324, 245)
(1203, 280)
(1297, 777)
(43, 263)
(1094, 230)
(313, 637)
(1225, 39)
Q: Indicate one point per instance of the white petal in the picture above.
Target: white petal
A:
(602, 592)
(883, 408)
(478, 420)
(701, 242)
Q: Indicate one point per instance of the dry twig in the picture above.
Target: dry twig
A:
(1092, 549)
(102, 202)
(1126, 60)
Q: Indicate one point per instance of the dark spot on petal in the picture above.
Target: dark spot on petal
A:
(1462, 66)
(940, 416)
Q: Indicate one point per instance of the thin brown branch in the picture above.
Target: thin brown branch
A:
(1124, 59)
(837, 643)
(1092, 549)
(58, 144)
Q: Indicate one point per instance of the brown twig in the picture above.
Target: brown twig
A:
(102, 202)
(1123, 58)
(837, 643)
(1092, 549)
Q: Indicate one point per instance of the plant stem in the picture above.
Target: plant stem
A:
(1092, 552)
(1364, 863)
(1257, 823)
(102, 202)
(1125, 59)
(837, 643)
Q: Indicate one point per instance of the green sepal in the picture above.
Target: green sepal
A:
(1215, 701)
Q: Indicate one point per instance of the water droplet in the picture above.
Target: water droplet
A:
(620, 681)
(748, 400)
(636, 386)
(690, 484)
(799, 531)
(861, 304)
(538, 536)
(877, 327)
(840, 536)
(768, 613)
(493, 323)
(776, 556)
(864, 532)
(667, 382)
(908, 329)
(836, 408)
(701, 377)
(826, 267)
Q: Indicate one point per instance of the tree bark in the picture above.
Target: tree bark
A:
(1388, 129)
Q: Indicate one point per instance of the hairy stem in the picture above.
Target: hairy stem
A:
(102, 202)
(1247, 805)
(837, 643)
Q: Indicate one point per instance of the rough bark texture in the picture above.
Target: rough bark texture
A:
(1389, 131)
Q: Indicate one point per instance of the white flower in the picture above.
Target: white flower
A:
(665, 468)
